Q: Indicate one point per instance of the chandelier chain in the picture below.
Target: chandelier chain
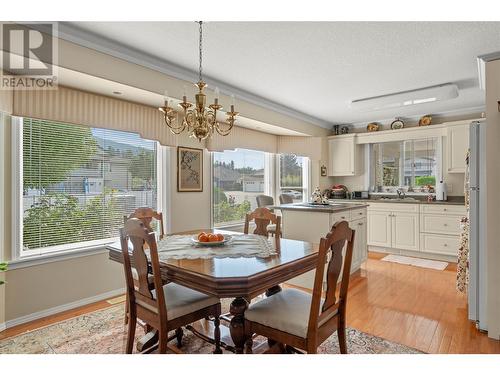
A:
(201, 50)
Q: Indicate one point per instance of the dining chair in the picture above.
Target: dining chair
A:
(295, 319)
(146, 215)
(163, 307)
(286, 199)
(263, 201)
(263, 217)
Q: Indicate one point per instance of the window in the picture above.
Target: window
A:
(412, 164)
(77, 183)
(238, 177)
(293, 176)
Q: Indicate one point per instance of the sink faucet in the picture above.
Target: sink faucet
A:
(401, 193)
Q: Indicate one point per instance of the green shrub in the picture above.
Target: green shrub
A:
(425, 180)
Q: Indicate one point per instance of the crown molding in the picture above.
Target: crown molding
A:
(98, 43)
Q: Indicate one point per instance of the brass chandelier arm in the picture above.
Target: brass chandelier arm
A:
(200, 121)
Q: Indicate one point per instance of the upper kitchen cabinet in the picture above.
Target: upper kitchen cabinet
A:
(457, 144)
(344, 155)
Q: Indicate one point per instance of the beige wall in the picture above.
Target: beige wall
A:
(47, 286)
(492, 196)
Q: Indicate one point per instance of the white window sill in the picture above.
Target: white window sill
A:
(35, 260)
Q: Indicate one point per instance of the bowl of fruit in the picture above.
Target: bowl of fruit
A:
(210, 239)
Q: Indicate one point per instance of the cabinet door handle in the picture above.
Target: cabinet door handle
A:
(445, 224)
(445, 245)
(360, 223)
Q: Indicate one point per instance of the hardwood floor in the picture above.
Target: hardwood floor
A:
(414, 306)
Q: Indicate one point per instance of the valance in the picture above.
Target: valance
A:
(302, 146)
(84, 108)
(241, 137)
(6, 98)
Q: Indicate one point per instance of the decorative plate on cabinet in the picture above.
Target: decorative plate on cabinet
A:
(397, 124)
(372, 127)
(425, 121)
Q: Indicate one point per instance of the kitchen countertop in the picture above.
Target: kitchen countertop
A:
(335, 207)
(456, 202)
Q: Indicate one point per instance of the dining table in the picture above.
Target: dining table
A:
(238, 278)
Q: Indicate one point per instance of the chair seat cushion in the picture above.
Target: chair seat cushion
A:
(181, 300)
(286, 311)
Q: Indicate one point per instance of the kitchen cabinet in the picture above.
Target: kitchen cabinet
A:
(440, 229)
(405, 231)
(360, 248)
(394, 226)
(379, 228)
(457, 144)
(312, 225)
(343, 155)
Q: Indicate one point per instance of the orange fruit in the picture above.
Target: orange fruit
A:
(220, 237)
(212, 237)
(203, 238)
(201, 234)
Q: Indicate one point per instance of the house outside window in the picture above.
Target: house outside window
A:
(238, 178)
(76, 184)
(411, 164)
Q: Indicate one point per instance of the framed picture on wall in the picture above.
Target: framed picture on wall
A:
(189, 169)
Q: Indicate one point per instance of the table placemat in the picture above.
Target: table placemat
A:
(240, 245)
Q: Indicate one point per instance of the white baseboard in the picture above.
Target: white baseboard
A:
(60, 308)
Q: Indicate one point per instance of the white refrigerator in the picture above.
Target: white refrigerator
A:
(477, 235)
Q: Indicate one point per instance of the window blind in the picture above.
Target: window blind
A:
(78, 182)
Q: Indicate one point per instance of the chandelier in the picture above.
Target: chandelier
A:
(200, 122)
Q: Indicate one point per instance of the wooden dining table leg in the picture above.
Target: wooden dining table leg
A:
(237, 324)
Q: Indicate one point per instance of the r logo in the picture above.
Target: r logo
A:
(27, 51)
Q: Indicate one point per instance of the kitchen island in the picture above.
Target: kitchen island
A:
(309, 222)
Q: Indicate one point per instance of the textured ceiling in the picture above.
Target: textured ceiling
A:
(318, 67)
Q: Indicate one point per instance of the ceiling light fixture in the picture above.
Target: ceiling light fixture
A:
(199, 122)
(407, 98)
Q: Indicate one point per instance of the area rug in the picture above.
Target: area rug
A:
(417, 262)
(103, 332)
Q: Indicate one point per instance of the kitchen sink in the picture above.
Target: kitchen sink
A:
(406, 199)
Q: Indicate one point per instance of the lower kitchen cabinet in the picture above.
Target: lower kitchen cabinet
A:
(405, 231)
(379, 228)
(439, 244)
(360, 248)
(393, 229)
(429, 229)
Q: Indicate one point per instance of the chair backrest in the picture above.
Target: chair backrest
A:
(146, 215)
(263, 217)
(264, 200)
(339, 237)
(133, 237)
(286, 199)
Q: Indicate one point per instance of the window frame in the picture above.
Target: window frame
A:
(18, 254)
(370, 181)
(306, 177)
